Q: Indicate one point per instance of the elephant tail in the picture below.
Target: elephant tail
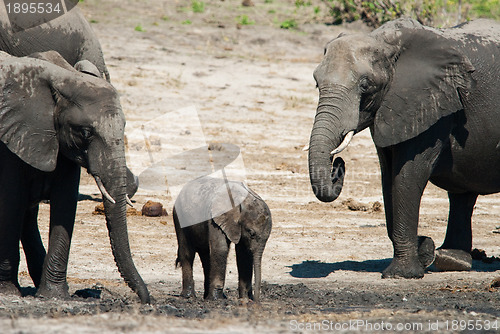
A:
(177, 262)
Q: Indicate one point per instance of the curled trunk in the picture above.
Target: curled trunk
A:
(337, 116)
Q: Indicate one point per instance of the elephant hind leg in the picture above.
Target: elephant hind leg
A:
(185, 258)
(34, 250)
(454, 254)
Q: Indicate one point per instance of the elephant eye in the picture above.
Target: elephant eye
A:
(251, 232)
(86, 133)
(364, 84)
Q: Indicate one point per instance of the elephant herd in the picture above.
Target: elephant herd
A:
(429, 97)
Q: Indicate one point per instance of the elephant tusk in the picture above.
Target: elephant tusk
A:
(129, 202)
(305, 148)
(103, 190)
(345, 142)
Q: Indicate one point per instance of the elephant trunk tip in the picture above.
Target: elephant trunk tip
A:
(327, 188)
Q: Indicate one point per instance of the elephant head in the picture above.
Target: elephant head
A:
(47, 110)
(247, 224)
(398, 80)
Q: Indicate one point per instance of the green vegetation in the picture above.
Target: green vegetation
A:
(244, 20)
(139, 28)
(430, 12)
(288, 24)
(198, 6)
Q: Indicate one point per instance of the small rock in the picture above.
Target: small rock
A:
(153, 209)
(99, 210)
(495, 283)
(247, 3)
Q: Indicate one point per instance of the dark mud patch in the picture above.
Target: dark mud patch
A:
(280, 300)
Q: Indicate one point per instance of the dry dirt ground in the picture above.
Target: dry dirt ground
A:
(252, 87)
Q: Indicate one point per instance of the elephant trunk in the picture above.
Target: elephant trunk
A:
(257, 264)
(115, 185)
(336, 120)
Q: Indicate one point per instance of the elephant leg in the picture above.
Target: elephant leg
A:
(219, 249)
(63, 201)
(459, 231)
(205, 263)
(34, 250)
(13, 204)
(411, 172)
(185, 257)
(425, 244)
(385, 159)
(244, 260)
(454, 254)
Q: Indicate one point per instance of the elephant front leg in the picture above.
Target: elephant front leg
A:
(63, 201)
(219, 249)
(410, 176)
(244, 259)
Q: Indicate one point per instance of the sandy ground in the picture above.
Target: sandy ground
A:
(250, 86)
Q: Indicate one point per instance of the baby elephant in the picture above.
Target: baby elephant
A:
(208, 215)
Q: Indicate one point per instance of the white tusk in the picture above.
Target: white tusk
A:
(345, 142)
(305, 148)
(129, 202)
(103, 190)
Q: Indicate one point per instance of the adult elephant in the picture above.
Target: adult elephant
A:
(72, 37)
(53, 120)
(431, 100)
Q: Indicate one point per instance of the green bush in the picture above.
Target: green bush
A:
(429, 12)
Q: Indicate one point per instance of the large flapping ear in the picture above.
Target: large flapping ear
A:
(27, 112)
(226, 209)
(430, 74)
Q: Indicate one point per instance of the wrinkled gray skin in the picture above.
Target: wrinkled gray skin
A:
(73, 38)
(247, 225)
(430, 98)
(53, 121)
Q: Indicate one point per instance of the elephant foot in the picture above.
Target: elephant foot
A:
(216, 294)
(404, 269)
(188, 292)
(9, 288)
(453, 260)
(59, 291)
(426, 251)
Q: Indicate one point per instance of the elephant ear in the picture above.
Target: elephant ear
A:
(52, 57)
(87, 67)
(226, 209)
(430, 77)
(27, 108)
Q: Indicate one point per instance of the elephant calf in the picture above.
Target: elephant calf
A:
(208, 215)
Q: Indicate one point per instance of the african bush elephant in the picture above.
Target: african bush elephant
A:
(430, 98)
(73, 38)
(211, 213)
(53, 121)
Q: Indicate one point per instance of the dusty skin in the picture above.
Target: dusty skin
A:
(252, 87)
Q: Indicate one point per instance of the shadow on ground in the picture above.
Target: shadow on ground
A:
(318, 269)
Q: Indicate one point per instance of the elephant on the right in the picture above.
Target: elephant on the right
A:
(431, 98)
